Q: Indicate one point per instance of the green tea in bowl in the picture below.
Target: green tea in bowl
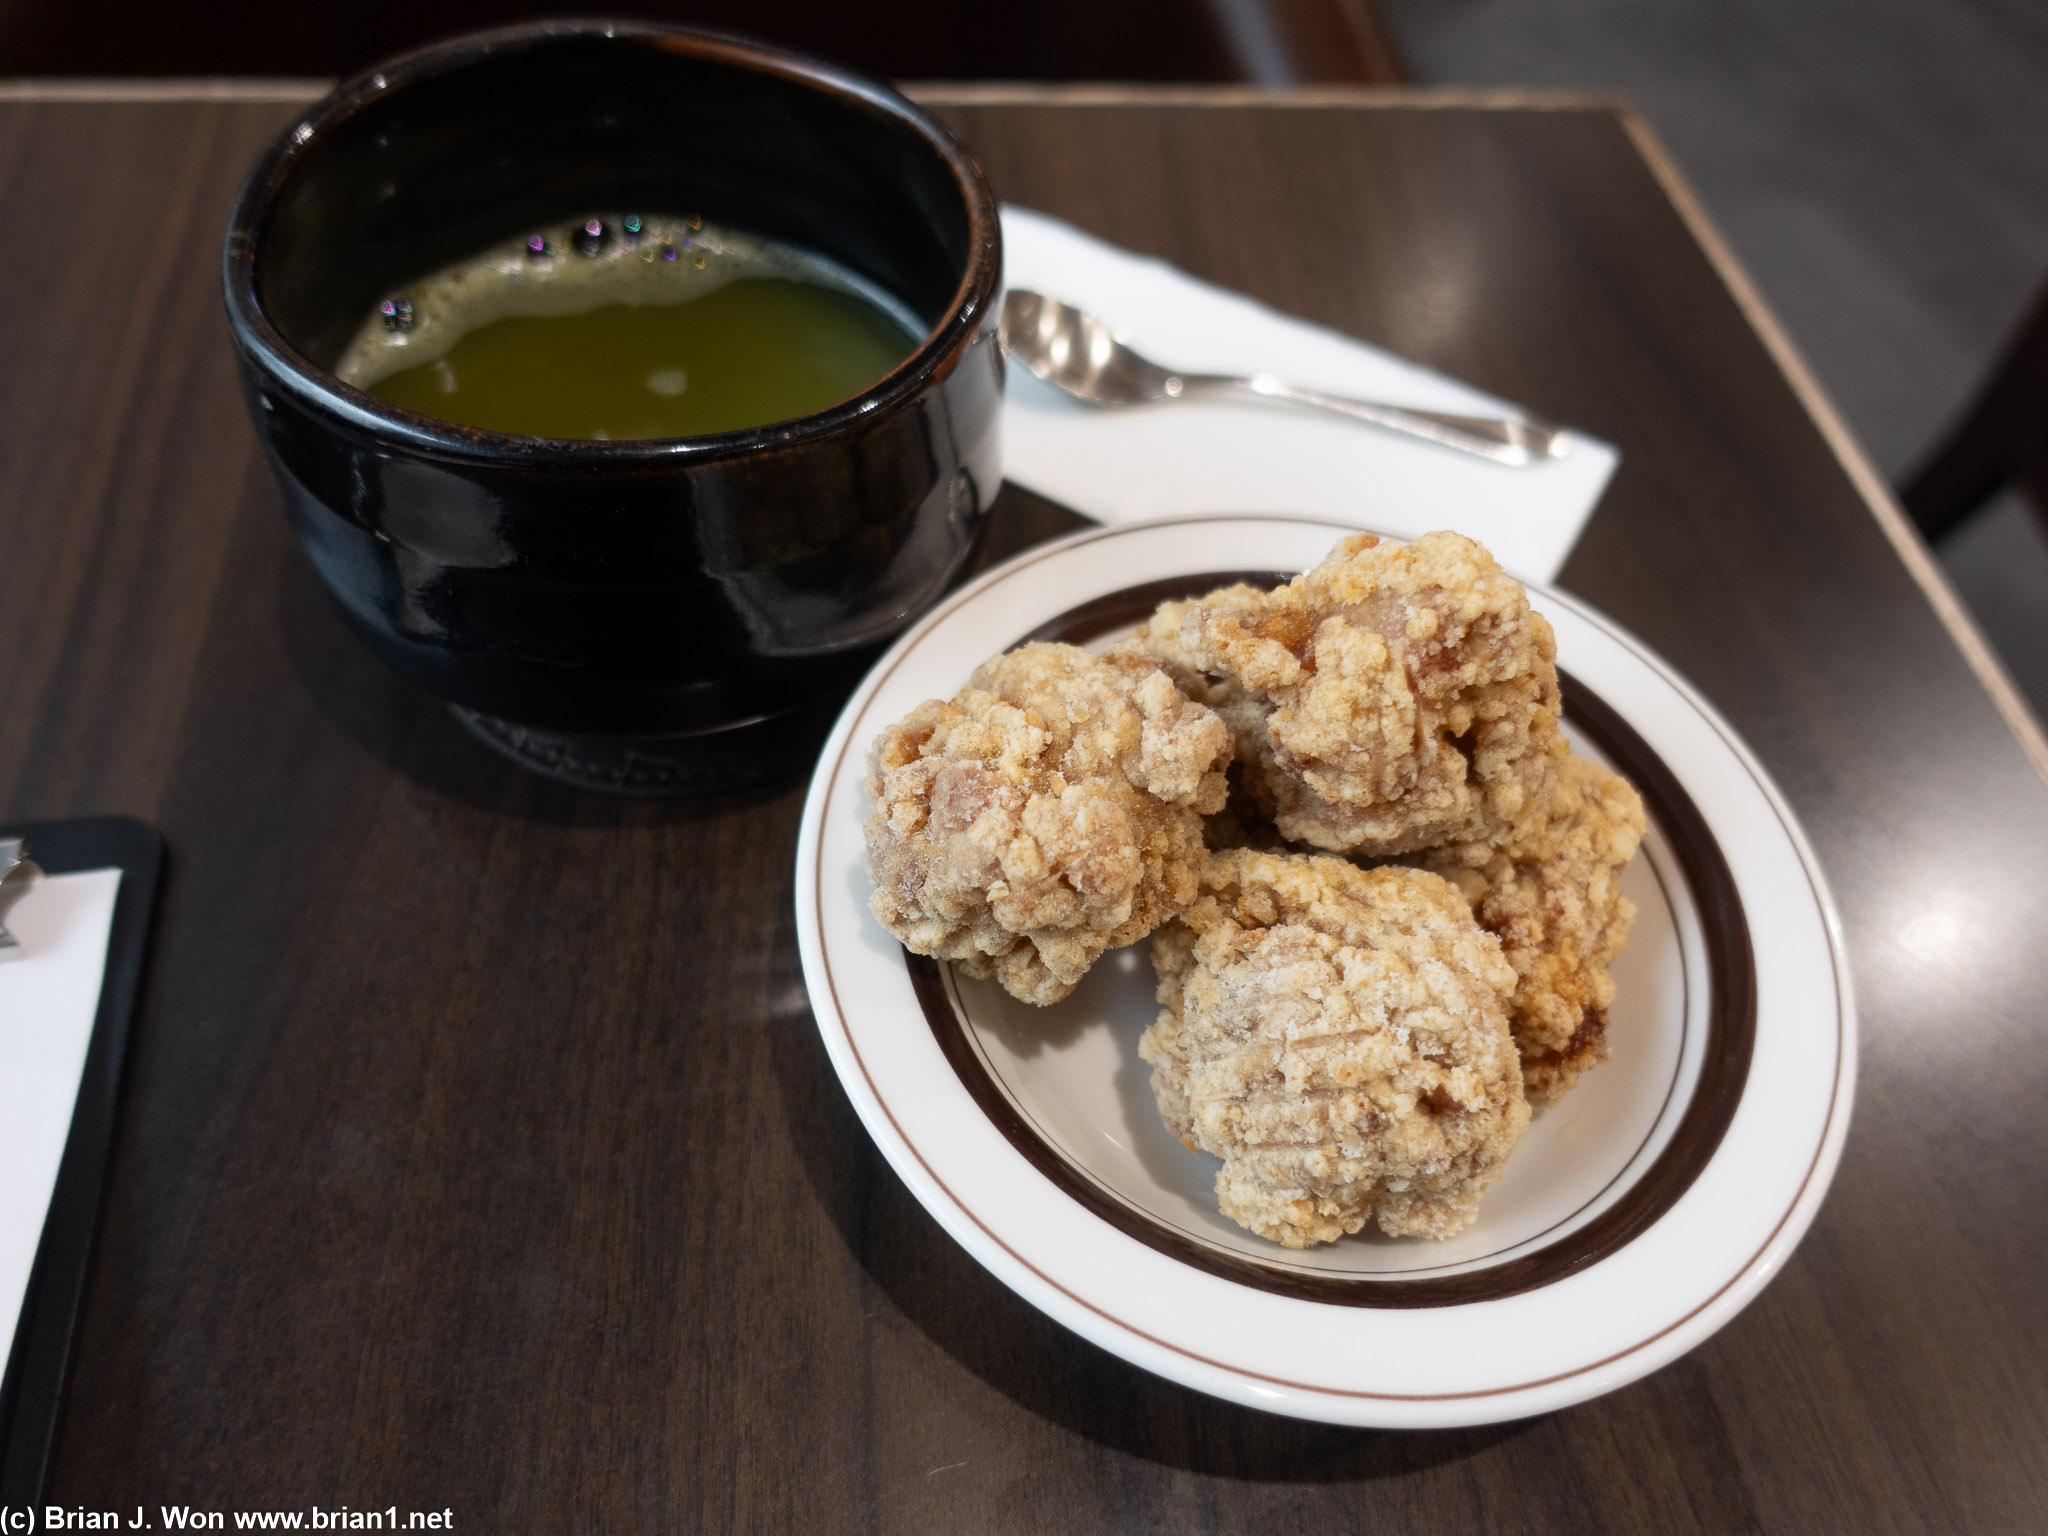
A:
(629, 326)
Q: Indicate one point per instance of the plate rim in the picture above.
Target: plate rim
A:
(1237, 1382)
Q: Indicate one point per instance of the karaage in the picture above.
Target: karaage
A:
(1553, 898)
(1050, 811)
(1339, 1037)
(1392, 699)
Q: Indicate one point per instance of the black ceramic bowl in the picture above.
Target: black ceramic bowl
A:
(586, 602)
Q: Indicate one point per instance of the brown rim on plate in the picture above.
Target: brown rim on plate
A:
(1134, 1329)
(1730, 1028)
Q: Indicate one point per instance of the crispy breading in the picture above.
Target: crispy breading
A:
(1339, 1037)
(1050, 811)
(1553, 898)
(1396, 697)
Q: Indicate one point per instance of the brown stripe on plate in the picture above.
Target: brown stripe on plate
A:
(1731, 1026)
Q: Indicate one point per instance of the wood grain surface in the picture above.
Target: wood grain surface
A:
(478, 1150)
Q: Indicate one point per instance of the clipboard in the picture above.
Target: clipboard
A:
(40, 1357)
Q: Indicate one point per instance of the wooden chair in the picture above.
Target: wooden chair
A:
(2001, 440)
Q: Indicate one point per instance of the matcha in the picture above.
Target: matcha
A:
(624, 326)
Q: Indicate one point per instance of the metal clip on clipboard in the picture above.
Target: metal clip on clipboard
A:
(17, 874)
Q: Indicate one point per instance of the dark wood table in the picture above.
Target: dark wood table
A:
(478, 1152)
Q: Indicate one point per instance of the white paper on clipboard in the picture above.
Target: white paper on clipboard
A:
(49, 998)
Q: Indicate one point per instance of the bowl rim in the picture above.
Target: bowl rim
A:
(974, 300)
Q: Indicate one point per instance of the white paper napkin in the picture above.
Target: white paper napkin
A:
(1151, 461)
(49, 998)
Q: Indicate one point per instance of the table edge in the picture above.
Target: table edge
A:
(1912, 550)
(165, 88)
(84, 89)
(1088, 93)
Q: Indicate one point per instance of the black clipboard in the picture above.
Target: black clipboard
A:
(40, 1359)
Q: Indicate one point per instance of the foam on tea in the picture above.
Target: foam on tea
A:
(631, 327)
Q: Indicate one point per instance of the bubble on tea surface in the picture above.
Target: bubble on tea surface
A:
(668, 382)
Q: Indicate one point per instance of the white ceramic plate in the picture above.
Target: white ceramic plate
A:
(1634, 1219)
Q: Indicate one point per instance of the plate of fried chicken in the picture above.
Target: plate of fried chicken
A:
(1324, 970)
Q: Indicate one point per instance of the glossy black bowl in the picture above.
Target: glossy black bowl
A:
(590, 602)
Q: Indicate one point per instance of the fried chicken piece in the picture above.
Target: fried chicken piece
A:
(1339, 1037)
(1396, 697)
(1052, 810)
(1553, 898)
